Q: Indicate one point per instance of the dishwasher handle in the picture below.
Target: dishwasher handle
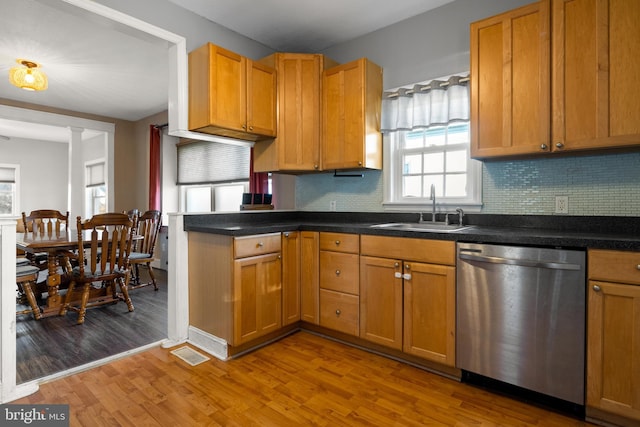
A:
(520, 262)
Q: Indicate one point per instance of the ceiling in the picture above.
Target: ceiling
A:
(99, 68)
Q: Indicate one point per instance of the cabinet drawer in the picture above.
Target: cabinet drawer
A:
(340, 242)
(339, 311)
(614, 266)
(340, 272)
(247, 246)
(409, 249)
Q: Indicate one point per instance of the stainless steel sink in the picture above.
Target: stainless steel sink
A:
(429, 227)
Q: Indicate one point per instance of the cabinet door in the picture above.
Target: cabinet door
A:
(290, 277)
(510, 85)
(310, 277)
(381, 301)
(351, 99)
(257, 299)
(261, 99)
(595, 74)
(429, 312)
(613, 348)
(299, 111)
(217, 89)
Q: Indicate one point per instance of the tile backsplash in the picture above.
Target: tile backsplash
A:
(604, 184)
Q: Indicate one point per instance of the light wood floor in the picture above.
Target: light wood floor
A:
(300, 380)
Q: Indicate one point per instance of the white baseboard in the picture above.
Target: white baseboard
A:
(213, 345)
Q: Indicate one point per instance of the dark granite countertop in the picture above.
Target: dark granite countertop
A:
(622, 233)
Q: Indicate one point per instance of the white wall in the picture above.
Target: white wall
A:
(43, 172)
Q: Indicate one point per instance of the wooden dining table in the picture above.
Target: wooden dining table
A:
(55, 244)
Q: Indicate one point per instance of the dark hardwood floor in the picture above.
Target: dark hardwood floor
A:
(55, 344)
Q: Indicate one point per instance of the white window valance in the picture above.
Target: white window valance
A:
(439, 102)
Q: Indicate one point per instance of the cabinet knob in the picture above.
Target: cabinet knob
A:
(316, 166)
(396, 265)
(244, 126)
(407, 267)
(543, 146)
(260, 244)
(559, 145)
(250, 127)
(638, 267)
(286, 234)
(359, 163)
(338, 312)
(337, 272)
(337, 242)
(596, 288)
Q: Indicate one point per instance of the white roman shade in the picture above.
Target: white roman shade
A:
(204, 162)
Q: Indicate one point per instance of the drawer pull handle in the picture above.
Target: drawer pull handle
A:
(338, 312)
(337, 242)
(337, 272)
(596, 288)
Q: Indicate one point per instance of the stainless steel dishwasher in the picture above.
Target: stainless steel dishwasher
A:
(521, 317)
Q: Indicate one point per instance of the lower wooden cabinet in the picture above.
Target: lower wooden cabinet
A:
(290, 277)
(613, 336)
(381, 301)
(430, 312)
(310, 277)
(340, 282)
(257, 305)
(408, 302)
(235, 285)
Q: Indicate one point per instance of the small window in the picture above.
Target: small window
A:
(9, 190)
(213, 197)
(95, 189)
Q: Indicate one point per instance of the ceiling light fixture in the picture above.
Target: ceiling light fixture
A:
(28, 76)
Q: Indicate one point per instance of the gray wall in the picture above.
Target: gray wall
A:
(435, 44)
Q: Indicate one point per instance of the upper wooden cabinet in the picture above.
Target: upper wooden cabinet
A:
(555, 76)
(510, 85)
(230, 95)
(297, 147)
(351, 104)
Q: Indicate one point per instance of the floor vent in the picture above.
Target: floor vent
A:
(189, 355)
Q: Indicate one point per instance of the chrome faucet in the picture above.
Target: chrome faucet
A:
(460, 215)
(433, 197)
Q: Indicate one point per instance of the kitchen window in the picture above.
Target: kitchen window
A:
(426, 141)
(9, 205)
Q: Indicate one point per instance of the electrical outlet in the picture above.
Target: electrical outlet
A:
(562, 204)
(332, 205)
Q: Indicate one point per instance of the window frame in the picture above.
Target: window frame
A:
(393, 176)
(15, 207)
(212, 187)
(91, 186)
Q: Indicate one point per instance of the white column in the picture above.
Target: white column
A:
(8, 389)
(75, 200)
(177, 282)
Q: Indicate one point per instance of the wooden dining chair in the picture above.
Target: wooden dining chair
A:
(104, 245)
(148, 227)
(44, 221)
(26, 278)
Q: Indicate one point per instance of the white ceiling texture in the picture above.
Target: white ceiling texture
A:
(97, 68)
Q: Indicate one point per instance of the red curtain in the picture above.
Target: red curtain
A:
(155, 185)
(258, 181)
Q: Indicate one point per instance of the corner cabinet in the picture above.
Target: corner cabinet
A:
(407, 296)
(299, 91)
(291, 268)
(351, 105)
(555, 76)
(613, 337)
(230, 95)
(310, 277)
